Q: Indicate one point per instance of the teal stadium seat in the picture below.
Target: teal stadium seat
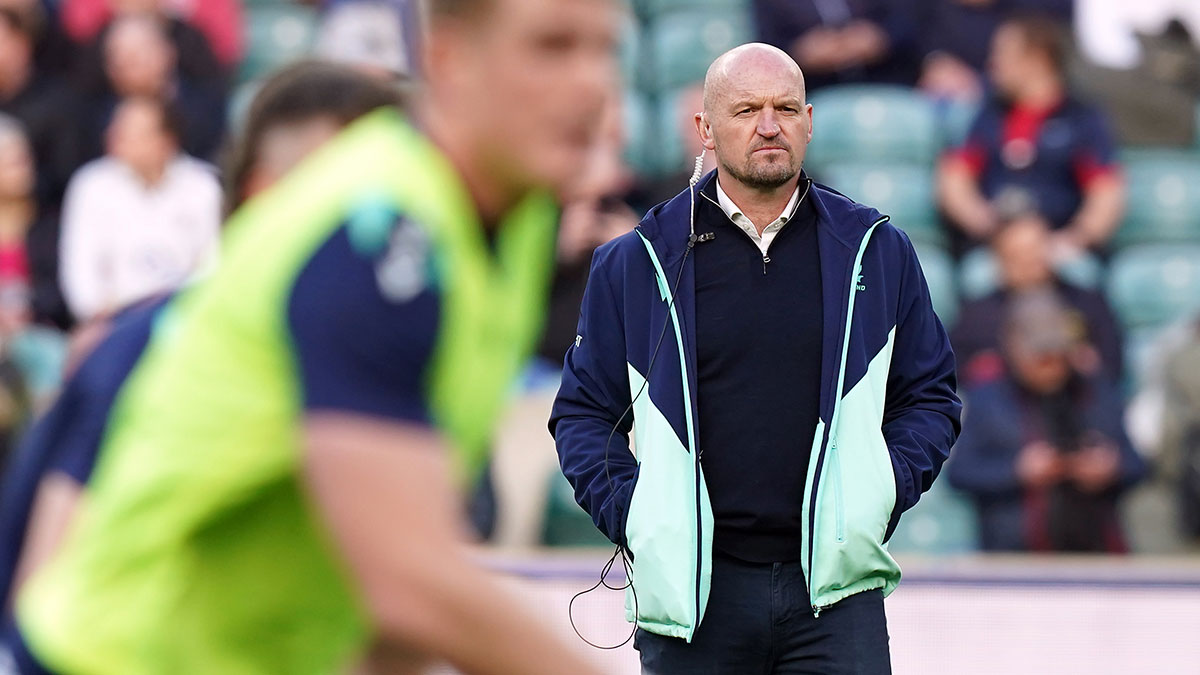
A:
(1140, 344)
(939, 271)
(276, 35)
(680, 45)
(650, 9)
(1164, 198)
(955, 120)
(641, 150)
(902, 191)
(629, 54)
(873, 123)
(1155, 284)
(1196, 129)
(566, 524)
(942, 522)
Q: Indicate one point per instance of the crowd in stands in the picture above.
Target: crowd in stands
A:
(1042, 155)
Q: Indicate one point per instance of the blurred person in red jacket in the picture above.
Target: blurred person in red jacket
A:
(1035, 147)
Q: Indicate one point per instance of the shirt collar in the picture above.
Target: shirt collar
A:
(735, 214)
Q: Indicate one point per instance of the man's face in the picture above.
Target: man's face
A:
(758, 123)
(1022, 254)
(136, 137)
(1008, 62)
(137, 58)
(531, 81)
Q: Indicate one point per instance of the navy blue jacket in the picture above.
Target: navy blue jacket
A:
(889, 412)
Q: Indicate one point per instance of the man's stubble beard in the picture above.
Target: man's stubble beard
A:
(765, 176)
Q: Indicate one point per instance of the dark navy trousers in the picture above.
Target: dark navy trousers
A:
(759, 621)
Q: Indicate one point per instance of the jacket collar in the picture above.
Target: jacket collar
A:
(666, 226)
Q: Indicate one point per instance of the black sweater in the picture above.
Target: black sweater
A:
(758, 344)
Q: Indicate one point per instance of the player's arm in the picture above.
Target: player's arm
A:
(53, 511)
(364, 322)
(384, 489)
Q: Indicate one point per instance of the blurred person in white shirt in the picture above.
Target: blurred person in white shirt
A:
(142, 219)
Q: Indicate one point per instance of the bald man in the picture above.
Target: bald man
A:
(772, 348)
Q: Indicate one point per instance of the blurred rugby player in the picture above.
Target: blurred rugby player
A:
(274, 493)
(297, 110)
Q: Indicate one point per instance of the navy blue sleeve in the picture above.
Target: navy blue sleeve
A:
(921, 417)
(363, 315)
(88, 396)
(591, 400)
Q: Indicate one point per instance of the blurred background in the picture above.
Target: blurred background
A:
(1043, 156)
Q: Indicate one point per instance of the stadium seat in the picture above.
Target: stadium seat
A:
(629, 54)
(641, 150)
(939, 274)
(1140, 344)
(679, 46)
(1155, 284)
(566, 523)
(650, 9)
(978, 276)
(942, 522)
(954, 120)
(902, 191)
(1164, 202)
(872, 123)
(275, 35)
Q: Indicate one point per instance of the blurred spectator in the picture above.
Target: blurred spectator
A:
(378, 37)
(1021, 249)
(838, 41)
(53, 52)
(141, 220)
(297, 109)
(217, 23)
(44, 106)
(28, 240)
(1034, 147)
(140, 60)
(1043, 451)
(956, 35)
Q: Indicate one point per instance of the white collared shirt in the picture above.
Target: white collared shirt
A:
(740, 219)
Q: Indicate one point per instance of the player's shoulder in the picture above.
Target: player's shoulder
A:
(378, 260)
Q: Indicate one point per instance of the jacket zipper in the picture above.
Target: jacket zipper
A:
(830, 445)
(673, 317)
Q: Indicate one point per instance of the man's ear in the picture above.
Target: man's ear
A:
(704, 130)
